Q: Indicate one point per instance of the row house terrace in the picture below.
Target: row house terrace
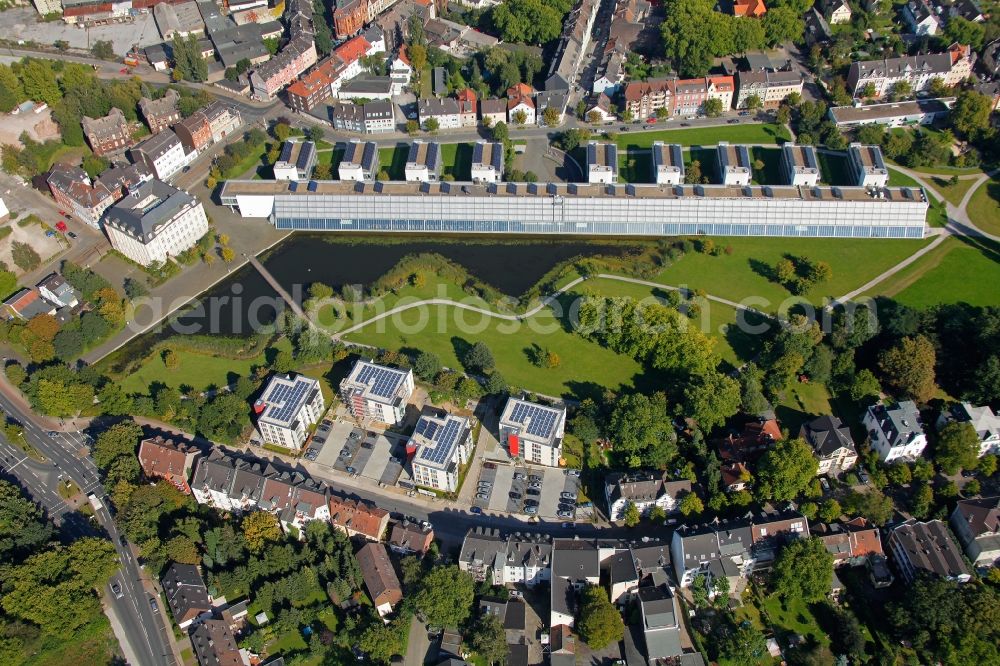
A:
(680, 97)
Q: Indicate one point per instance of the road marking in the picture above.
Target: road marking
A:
(11, 469)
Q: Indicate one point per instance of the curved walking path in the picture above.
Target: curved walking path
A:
(545, 302)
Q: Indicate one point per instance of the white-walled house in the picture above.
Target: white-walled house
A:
(895, 432)
(645, 490)
(983, 420)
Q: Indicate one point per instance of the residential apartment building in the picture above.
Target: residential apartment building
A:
(836, 12)
(977, 525)
(867, 166)
(327, 78)
(920, 18)
(371, 118)
(287, 409)
(689, 95)
(186, 594)
(927, 548)
(952, 67)
(161, 113)
(667, 163)
(444, 110)
(296, 162)
(54, 289)
(360, 161)
(400, 71)
(831, 443)
(349, 17)
(163, 154)
(214, 644)
(487, 162)
(108, 135)
(554, 100)
(800, 165)
(72, 189)
(523, 558)
(895, 432)
(155, 222)
(983, 420)
(892, 114)
(749, 8)
(521, 104)
(644, 98)
(298, 55)
(578, 26)
(532, 431)
(660, 615)
(376, 392)
(380, 578)
(120, 179)
(771, 87)
(223, 119)
(366, 87)
(166, 459)
(439, 446)
(295, 499)
(602, 162)
(468, 105)
(735, 165)
(645, 490)
(408, 538)
(576, 563)
(483, 551)
(26, 304)
(493, 111)
(213, 479)
(423, 164)
(358, 519)
(194, 132)
(612, 74)
(851, 543)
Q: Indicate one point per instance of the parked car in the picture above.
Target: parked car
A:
(568, 495)
(565, 514)
(530, 502)
(476, 510)
(573, 472)
(351, 470)
(685, 124)
(72, 235)
(116, 589)
(482, 496)
(744, 113)
(518, 476)
(153, 604)
(345, 452)
(734, 121)
(50, 233)
(567, 526)
(396, 460)
(61, 226)
(514, 495)
(534, 484)
(535, 492)
(531, 510)
(534, 477)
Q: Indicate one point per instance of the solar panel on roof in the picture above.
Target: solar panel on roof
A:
(285, 400)
(444, 445)
(540, 420)
(382, 382)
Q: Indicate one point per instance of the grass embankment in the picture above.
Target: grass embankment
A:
(958, 270)
(984, 207)
(765, 133)
(937, 216)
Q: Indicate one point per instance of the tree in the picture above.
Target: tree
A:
(970, 116)
(426, 366)
(712, 398)
(520, 117)
(642, 432)
(901, 90)
(632, 515)
(744, 646)
(600, 623)
(963, 31)
(22, 525)
(68, 344)
(908, 367)
(431, 125)
(692, 175)
(874, 505)
(713, 107)
(551, 116)
(785, 470)
(24, 256)
(323, 171)
(227, 254)
(171, 361)
(380, 642)
(478, 358)
(987, 464)
(957, 447)
(489, 639)
(693, 34)
(527, 21)
(754, 103)
(594, 117)
(783, 24)
(120, 440)
(830, 511)
(803, 571)
(103, 49)
(445, 596)
(865, 386)
(259, 529)
(496, 384)
(690, 505)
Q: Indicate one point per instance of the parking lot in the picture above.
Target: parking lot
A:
(546, 492)
(348, 449)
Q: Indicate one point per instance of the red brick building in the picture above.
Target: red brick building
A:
(166, 459)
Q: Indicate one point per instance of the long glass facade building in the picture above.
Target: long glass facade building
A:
(593, 210)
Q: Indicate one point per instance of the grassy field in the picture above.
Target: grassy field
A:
(255, 161)
(456, 160)
(742, 274)
(952, 193)
(984, 207)
(936, 214)
(93, 643)
(771, 174)
(393, 160)
(586, 367)
(696, 136)
(955, 271)
(834, 169)
(796, 619)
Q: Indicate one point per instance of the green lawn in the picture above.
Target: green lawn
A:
(956, 271)
(742, 274)
(196, 370)
(771, 174)
(801, 403)
(635, 166)
(796, 619)
(952, 193)
(93, 643)
(937, 216)
(456, 160)
(393, 160)
(585, 369)
(834, 169)
(696, 136)
(255, 160)
(984, 207)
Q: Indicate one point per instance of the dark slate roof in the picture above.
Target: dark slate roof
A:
(827, 434)
(147, 208)
(185, 591)
(575, 559)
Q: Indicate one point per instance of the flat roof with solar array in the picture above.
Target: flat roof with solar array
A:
(437, 439)
(733, 158)
(602, 156)
(538, 422)
(869, 157)
(360, 153)
(668, 157)
(424, 154)
(488, 153)
(375, 382)
(297, 154)
(284, 398)
(801, 158)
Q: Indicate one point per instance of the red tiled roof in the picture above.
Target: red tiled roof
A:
(520, 90)
(352, 49)
(403, 55)
(357, 517)
(466, 95)
(751, 8)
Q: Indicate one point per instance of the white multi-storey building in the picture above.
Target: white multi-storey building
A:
(919, 71)
(800, 165)
(602, 162)
(895, 432)
(163, 154)
(487, 162)
(297, 160)
(668, 164)
(533, 432)
(286, 409)
(423, 164)
(441, 444)
(867, 165)
(360, 161)
(376, 392)
(734, 164)
(443, 110)
(155, 222)
(983, 420)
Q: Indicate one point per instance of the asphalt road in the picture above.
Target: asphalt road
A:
(68, 458)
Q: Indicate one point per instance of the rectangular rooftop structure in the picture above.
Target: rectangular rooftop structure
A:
(581, 209)
(440, 444)
(423, 164)
(734, 164)
(867, 165)
(487, 162)
(377, 392)
(668, 164)
(286, 409)
(800, 165)
(602, 162)
(892, 114)
(360, 161)
(532, 431)
(296, 162)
